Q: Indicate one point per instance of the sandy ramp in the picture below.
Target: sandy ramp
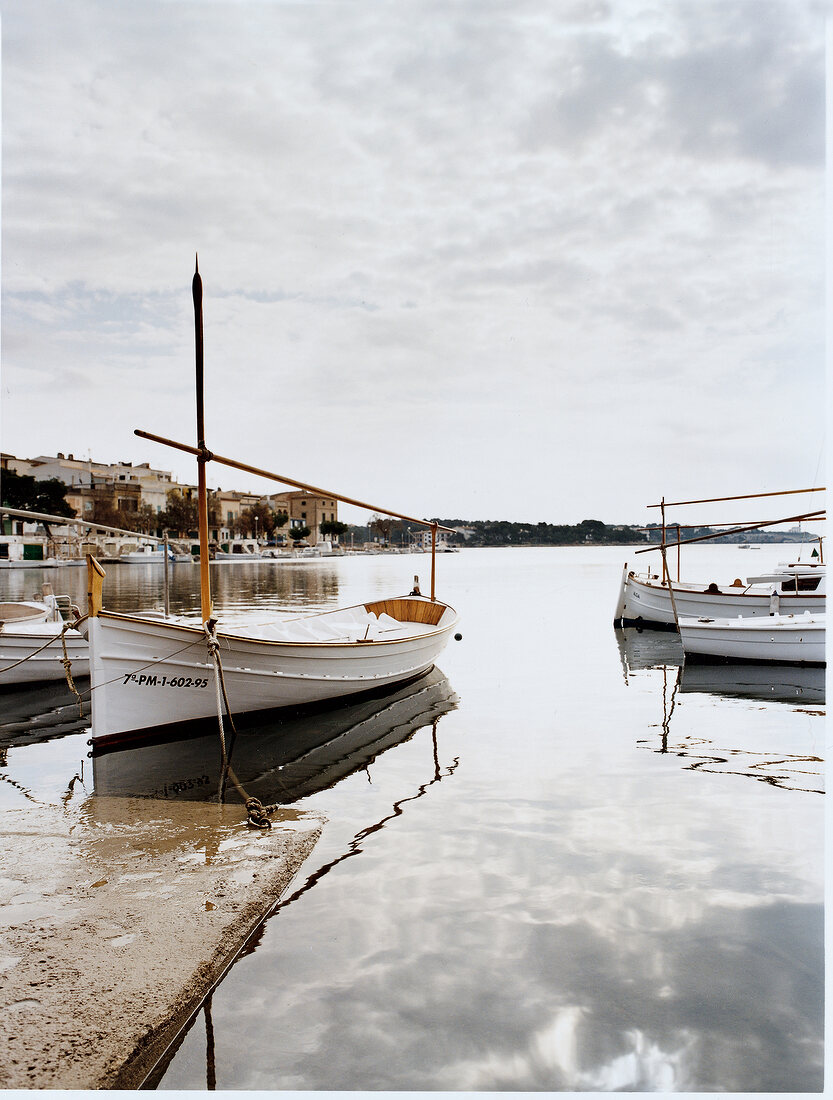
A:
(118, 916)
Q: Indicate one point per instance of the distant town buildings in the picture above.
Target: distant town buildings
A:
(305, 510)
(97, 488)
(122, 485)
(422, 538)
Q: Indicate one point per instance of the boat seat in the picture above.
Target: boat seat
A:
(11, 612)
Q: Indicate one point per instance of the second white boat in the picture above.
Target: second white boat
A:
(35, 641)
(647, 601)
(781, 639)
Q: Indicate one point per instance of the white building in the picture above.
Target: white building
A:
(79, 474)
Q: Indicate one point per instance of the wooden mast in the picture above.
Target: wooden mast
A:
(433, 561)
(202, 451)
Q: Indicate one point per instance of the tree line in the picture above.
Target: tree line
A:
(503, 532)
(179, 518)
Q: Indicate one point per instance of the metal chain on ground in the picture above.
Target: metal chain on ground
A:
(255, 810)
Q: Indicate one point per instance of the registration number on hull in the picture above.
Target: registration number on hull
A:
(152, 680)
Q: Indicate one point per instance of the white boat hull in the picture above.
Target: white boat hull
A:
(148, 673)
(647, 601)
(18, 646)
(781, 639)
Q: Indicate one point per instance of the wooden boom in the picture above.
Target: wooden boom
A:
(817, 516)
(246, 468)
(746, 496)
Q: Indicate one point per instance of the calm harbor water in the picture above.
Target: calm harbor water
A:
(582, 871)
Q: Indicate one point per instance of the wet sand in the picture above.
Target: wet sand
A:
(118, 916)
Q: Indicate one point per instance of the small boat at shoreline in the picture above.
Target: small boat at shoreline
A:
(152, 671)
(775, 639)
(35, 639)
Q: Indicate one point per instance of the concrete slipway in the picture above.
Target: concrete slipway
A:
(118, 916)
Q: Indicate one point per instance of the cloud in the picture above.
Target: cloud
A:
(464, 207)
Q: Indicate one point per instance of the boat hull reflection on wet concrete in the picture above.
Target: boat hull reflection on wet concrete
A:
(278, 761)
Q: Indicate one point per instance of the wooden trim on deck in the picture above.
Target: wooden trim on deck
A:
(406, 610)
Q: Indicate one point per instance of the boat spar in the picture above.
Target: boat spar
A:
(151, 672)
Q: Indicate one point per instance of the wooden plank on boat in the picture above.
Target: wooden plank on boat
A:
(408, 611)
(95, 577)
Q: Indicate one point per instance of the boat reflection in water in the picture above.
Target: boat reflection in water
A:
(279, 761)
(33, 713)
(779, 683)
(649, 654)
(643, 649)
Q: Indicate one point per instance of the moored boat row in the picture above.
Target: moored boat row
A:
(777, 616)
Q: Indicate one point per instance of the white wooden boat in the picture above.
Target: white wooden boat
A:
(31, 647)
(151, 671)
(647, 600)
(782, 639)
(653, 600)
(147, 672)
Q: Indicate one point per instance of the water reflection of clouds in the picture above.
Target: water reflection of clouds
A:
(575, 955)
(569, 1009)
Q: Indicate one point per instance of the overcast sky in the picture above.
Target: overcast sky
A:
(534, 259)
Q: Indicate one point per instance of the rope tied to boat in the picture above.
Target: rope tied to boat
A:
(65, 661)
(255, 811)
(670, 586)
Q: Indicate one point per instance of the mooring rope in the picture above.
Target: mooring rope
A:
(255, 810)
(65, 661)
(35, 652)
